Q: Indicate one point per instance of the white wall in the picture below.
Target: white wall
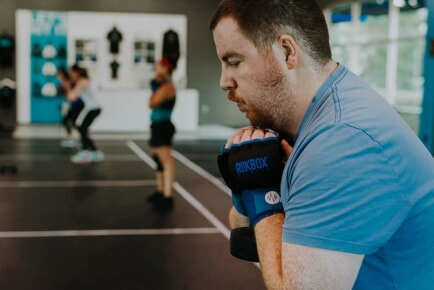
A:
(96, 26)
(23, 29)
(127, 111)
(124, 100)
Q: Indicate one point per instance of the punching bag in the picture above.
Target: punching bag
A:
(171, 46)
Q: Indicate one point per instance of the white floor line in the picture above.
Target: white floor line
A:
(184, 193)
(184, 160)
(202, 209)
(60, 157)
(142, 155)
(112, 232)
(76, 183)
(200, 171)
(195, 203)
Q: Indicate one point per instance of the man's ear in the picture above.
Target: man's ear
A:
(290, 48)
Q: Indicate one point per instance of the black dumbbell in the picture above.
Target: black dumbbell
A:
(243, 244)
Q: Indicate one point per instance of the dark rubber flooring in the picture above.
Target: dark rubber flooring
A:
(68, 226)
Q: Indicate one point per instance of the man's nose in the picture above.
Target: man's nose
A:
(227, 83)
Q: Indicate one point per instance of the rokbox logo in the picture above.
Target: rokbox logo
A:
(251, 165)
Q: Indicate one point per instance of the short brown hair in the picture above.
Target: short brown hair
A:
(263, 21)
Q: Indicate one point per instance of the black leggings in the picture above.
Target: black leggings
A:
(86, 142)
(75, 108)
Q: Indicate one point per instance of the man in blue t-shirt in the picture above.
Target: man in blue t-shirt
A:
(357, 191)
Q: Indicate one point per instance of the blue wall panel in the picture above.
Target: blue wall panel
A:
(48, 49)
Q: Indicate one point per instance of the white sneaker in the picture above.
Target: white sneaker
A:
(83, 156)
(69, 143)
(96, 156)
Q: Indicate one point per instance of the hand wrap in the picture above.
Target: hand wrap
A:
(253, 170)
(154, 85)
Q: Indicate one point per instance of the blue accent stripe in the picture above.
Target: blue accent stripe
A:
(426, 129)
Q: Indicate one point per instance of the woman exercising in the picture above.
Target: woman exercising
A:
(161, 103)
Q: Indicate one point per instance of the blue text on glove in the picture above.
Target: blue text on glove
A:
(251, 165)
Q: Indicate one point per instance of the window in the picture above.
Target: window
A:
(384, 44)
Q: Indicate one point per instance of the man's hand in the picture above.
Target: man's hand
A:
(251, 133)
(251, 163)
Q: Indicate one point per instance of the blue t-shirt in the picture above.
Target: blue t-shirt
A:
(360, 181)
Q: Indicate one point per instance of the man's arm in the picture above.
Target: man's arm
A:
(237, 220)
(291, 266)
(164, 92)
(268, 233)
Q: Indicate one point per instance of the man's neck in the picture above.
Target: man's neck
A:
(309, 81)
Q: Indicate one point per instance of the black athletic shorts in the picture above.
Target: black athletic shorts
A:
(162, 134)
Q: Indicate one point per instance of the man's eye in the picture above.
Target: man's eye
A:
(234, 63)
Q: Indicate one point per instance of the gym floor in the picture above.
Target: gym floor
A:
(67, 226)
